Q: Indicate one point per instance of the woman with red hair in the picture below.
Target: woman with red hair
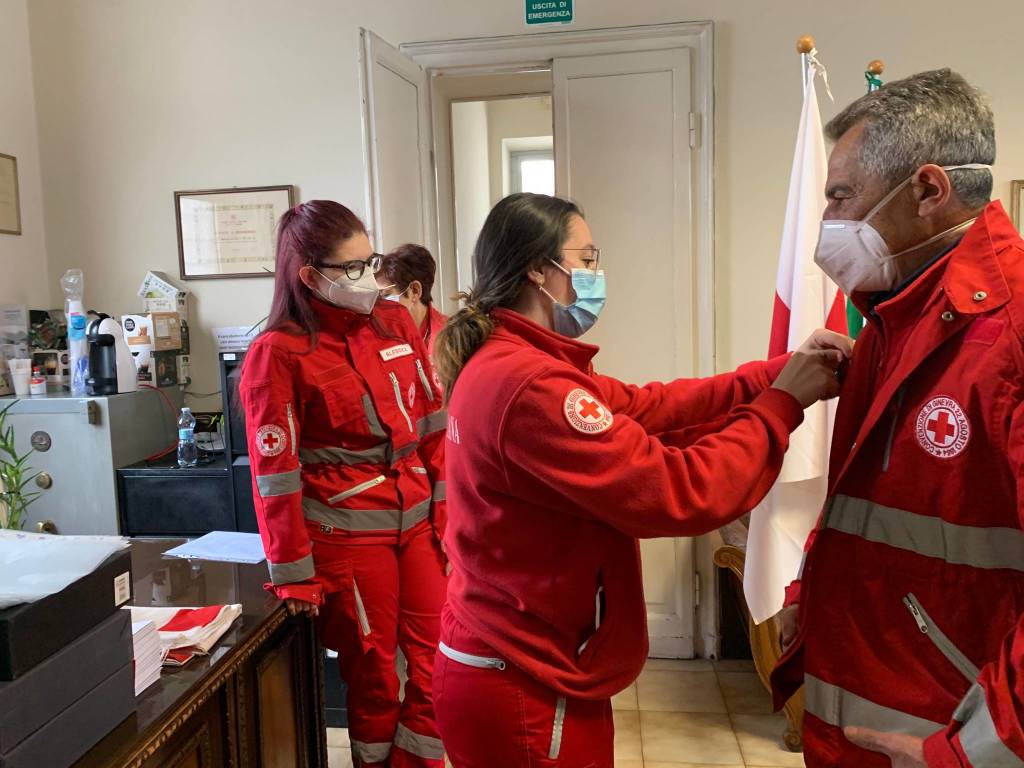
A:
(343, 426)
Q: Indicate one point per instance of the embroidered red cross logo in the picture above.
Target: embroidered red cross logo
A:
(589, 409)
(942, 427)
(270, 440)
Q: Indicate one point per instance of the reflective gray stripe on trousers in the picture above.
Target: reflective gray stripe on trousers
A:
(374, 752)
(286, 573)
(417, 744)
(978, 736)
(365, 519)
(974, 546)
(841, 708)
(280, 484)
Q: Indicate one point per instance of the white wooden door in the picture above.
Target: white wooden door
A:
(622, 151)
(400, 189)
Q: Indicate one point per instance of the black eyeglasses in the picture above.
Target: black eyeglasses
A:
(592, 260)
(355, 269)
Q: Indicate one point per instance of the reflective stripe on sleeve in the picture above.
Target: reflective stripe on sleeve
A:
(440, 490)
(287, 573)
(280, 484)
(974, 546)
(978, 736)
(371, 418)
(433, 422)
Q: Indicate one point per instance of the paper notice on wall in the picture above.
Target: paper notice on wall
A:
(235, 339)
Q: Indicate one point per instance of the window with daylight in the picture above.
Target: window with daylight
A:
(533, 171)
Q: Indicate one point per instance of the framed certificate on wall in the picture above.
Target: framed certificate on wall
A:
(225, 233)
(10, 205)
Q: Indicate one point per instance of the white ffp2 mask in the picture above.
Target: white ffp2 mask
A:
(857, 258)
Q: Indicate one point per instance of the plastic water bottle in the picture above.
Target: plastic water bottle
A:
(188, 451)
(73, 284)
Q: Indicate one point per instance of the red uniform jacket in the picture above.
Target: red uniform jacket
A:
(912, 593)
(342, 441)
(553, 474)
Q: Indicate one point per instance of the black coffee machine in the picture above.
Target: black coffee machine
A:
(102, 359)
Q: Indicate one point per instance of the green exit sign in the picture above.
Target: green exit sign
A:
(548, 12)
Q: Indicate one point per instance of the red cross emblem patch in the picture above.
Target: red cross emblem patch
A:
(942, 428)
(585, 413)
(271, 440)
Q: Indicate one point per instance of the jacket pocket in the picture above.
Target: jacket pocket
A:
(342, 393)
(946, 647)
(599, 613)
(356, 490)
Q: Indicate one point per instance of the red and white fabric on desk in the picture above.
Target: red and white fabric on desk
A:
(188, 632)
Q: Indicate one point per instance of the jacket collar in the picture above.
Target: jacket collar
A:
(337, 320)
(575, 353)
(972, 278)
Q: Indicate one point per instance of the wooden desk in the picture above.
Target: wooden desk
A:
(256, 700)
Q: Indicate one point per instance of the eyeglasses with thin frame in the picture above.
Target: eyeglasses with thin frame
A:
(591, 262)
(355, 269)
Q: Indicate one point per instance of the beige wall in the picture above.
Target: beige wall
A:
(24, 278)
(513, 119)
(471, 173)
(137, 99)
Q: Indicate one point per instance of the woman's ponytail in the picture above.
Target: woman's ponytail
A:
(522, 232)
(463, 334)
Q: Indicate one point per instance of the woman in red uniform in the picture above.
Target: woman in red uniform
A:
(343, 422)
(410, 269)
(555, 471)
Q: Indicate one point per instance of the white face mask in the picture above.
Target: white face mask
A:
(857, 258)
(356, 295)
(395, 297)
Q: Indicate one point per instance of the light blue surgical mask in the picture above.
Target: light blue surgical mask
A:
(574, 320)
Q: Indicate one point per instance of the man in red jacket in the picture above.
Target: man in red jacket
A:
(910, 638)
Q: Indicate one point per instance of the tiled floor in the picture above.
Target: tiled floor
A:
(682, 714)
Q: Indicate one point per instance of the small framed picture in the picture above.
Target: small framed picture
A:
(225, 233)
(1017, 204)
(10, 206)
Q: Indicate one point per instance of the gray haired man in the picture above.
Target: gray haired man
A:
(906, 624)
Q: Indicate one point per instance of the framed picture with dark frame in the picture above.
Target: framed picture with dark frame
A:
(1017, 204)
(226, 233)
(10, 204)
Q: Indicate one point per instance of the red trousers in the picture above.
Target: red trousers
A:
(492, 715)
(387, 596)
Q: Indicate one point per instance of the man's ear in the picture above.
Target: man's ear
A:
(932, 188)
(415, 290)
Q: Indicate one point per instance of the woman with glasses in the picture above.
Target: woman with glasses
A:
(553, 473)
(344, 425)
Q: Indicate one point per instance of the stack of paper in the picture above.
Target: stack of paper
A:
(188, 632)
(147, 653)
(223, 546)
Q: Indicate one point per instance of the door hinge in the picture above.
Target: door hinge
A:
(694, 131)
(696, 590)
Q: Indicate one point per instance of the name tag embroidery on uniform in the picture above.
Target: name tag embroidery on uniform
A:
(392, 353)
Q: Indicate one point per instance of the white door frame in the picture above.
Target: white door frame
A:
(535, 52)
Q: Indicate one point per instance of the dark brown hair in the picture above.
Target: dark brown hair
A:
(407, 264)
(521, 233)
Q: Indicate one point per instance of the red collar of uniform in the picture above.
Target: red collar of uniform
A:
(970, 270)
(575, 353)
(336, 319)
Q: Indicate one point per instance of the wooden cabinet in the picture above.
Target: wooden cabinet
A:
(256, 701)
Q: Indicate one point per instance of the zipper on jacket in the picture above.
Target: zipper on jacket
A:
(479, 662)
(900, 393)
(357, 489)
(939, 640)
(398, 398)
(291, 427)
(425, 381)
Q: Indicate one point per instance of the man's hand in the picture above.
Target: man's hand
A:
(826, 339)
(789, 618)
(904, 751)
